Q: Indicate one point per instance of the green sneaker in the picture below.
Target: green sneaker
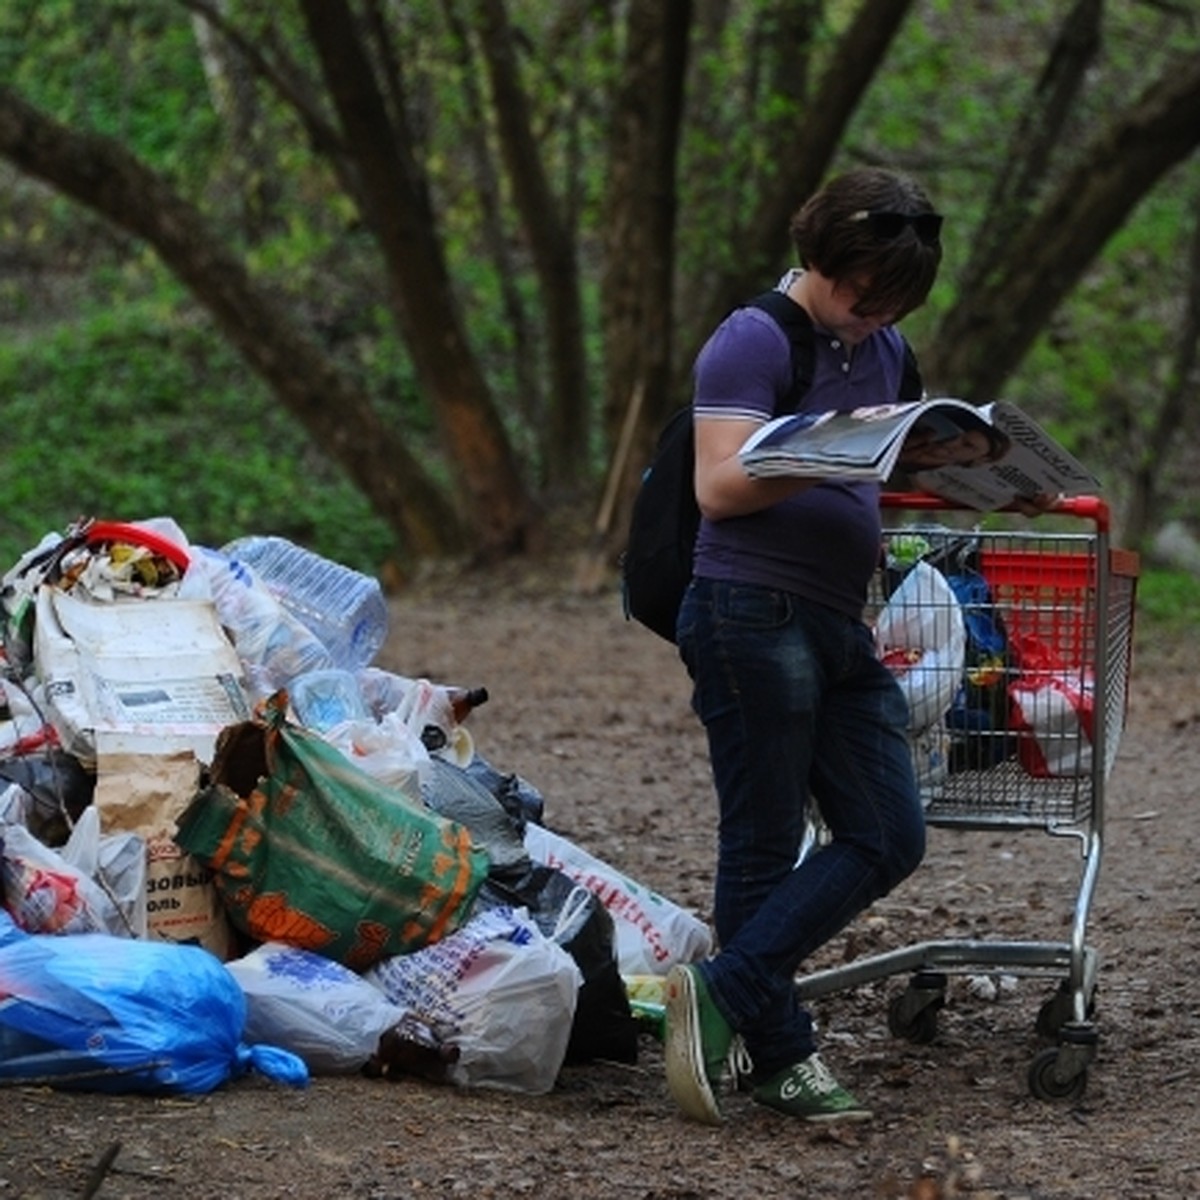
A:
(806, 1089)
(696, 1046)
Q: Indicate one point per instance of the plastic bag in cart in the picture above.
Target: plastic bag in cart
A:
(1052, 713)
(921, 636)
(93, 1012)
(978, 718)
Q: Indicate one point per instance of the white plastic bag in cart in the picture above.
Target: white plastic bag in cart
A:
(922, 638)
(930, 750)
(499, 991)
(653, 933)
(1053, 714)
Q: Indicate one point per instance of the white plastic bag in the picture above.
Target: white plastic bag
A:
(57, 891)
(499, 991)
(922, 637)
(318, 1009)
(418, 704)
(653, 933)
(426, 704)
(930, 749)
(386, 749)
(1054, 714)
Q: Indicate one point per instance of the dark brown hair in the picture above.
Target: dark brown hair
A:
(897, 272)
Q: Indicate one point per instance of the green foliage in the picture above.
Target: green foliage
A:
(126, 70)
(1168, 604)
(947, 107)
(732, 101)
(141, 410)
(122, 401)
(1100, 369)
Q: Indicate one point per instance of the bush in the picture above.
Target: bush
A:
(141, 411)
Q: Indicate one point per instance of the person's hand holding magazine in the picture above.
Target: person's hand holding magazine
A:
(939, 441)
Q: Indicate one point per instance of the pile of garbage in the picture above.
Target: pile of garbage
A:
(229, 842)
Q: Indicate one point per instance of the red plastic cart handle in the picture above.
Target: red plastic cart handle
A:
(1089, 508)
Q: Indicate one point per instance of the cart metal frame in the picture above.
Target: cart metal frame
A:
(1065, 598)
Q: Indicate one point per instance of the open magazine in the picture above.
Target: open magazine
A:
(981, 457)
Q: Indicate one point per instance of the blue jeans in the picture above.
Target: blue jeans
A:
(795, 703)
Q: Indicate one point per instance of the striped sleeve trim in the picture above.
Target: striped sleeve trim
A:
(707, 413)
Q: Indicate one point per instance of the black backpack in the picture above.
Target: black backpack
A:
(656, 566)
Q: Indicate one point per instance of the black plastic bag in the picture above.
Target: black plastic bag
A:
(604, 1025)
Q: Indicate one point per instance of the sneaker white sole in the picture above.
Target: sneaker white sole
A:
(851, 1116)
(847, 1115)
(683, 1051)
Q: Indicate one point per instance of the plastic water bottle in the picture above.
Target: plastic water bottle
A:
(274, 645)
(323, 699)
(343, 607)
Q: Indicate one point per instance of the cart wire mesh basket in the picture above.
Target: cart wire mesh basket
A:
(1013, 645)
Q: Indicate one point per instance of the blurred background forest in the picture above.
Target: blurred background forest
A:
(407, 280)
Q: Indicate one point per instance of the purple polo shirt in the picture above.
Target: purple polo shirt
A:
(824, 543)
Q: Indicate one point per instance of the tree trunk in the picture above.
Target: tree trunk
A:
(1037, 134)
(804, 156)
(231, 87)
(553, 248)
(637, 312)
(270, 62)
(399, 211)
(987, 333)
(525, 350)
(1174, 419)
(340, 418)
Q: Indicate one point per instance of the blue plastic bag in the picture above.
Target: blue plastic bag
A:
(100, 1013)
(10, 931)
(979, 717)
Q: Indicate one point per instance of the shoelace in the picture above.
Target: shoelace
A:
(738, 1062)
(812, 1073)
(816, 1075)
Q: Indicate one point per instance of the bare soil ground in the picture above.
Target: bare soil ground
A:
(593, 711)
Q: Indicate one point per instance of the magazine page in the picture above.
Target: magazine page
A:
(1033, 464)
(862, 442)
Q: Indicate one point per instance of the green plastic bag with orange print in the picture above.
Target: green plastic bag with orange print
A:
(308, 850)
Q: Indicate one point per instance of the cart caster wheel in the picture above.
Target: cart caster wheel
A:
(1054, 1014)
(1046, 1083)
(1058, 1011)
(919, 1027)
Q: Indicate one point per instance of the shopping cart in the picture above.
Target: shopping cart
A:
(1033, 625)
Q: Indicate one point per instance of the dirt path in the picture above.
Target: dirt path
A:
(593, 712)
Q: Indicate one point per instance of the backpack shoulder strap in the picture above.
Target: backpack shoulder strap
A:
(912, 386)
(797, 324)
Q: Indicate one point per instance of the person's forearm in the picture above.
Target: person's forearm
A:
(725, 490)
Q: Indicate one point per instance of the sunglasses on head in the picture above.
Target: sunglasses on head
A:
(887, 226)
